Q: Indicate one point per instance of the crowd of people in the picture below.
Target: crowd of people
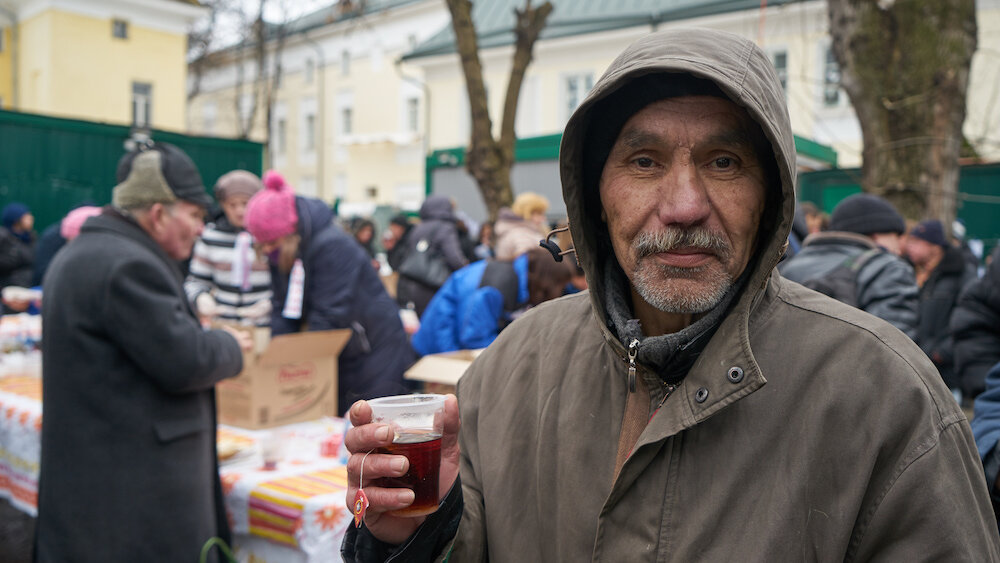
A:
(686, 359)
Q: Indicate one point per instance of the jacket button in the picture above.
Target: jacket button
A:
(735, 374)
(701, 394)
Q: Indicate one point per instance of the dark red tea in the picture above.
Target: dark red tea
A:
(423, 449)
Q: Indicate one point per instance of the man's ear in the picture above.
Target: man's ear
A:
(156, 213)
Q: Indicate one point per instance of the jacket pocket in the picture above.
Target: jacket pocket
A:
(170, 430)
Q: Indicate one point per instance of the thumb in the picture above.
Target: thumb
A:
(451, 425)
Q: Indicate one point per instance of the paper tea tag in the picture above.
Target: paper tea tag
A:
(360, 506)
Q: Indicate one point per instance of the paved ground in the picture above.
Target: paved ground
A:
(17, 531)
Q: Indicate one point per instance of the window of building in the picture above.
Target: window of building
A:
(412, 114)
(371, 192)
(310, 133)
(119, 29)
(280, 139)
(310, 71)
(345, 62)
(142, 103)
(831, 79)
(576, 87)
(780, 61)
(346, 118)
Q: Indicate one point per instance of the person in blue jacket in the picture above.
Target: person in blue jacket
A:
(322, 279)
(986, 429)
(479, 300)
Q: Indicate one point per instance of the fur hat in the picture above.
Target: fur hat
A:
(866, 214)
(271, 212)
(931, 231)
(71, 223)
(237, 182)
(157, 173)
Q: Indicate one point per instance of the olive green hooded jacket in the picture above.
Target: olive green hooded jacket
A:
(806, 430)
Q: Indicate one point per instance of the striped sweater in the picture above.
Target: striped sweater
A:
(212, 271)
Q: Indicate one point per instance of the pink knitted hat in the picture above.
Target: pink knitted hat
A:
(271, 212)
(71, 223)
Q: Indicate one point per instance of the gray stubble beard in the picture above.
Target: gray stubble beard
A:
(654, 282)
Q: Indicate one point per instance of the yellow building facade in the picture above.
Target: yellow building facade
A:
(119, 62)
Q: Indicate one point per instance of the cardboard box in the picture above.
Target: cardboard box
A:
(291, 378)
(440, 372)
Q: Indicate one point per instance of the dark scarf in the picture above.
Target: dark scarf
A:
(27, 237)
(668, 355)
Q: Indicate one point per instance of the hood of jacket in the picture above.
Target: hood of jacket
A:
(314, 216)
(744, 74)
(437, 207)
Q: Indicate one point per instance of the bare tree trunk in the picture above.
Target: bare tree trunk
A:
(488, 160)
(905, 67)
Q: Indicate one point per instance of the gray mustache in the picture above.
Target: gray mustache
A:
(672, 238)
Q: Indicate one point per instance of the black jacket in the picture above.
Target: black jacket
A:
(342, 290)
(937, 300)
(128, 462)
(16, 259)
(437, 227)
(975, 329)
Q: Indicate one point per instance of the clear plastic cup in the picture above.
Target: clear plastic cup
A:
(416, 422)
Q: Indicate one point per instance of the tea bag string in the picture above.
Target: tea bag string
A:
(361, 478)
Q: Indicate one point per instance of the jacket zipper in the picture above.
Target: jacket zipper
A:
(633, 351)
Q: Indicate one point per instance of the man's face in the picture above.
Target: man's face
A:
(235, 207)
(682, 193)
(25, 223)
(919, 251)
(178, 227)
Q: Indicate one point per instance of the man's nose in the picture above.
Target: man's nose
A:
(683, 196)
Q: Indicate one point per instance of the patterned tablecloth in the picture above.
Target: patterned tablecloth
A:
(294, 513)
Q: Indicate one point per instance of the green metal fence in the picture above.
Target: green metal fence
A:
(978, 199)
(52, 164)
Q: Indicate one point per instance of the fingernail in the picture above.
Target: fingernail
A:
(382, 433)
(405, 496)
(397, 464)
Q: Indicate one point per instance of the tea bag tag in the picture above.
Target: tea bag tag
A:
(360, 506)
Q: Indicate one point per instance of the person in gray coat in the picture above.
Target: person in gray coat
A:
(437, 227)
(128, 456)
(864, 236)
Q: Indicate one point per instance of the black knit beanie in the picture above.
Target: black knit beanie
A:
(865, 214)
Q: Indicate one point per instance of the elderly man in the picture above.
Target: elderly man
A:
(129, 470)
(693, 405)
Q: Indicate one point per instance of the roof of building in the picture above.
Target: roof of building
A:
(338, 11)
(494, 20)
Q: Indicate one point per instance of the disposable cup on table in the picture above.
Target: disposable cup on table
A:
(416, 422)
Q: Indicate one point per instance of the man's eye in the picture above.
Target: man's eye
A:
(723, 163)
(644, 162)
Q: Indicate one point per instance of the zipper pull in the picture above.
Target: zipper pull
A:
(668, 389)
(633, 350)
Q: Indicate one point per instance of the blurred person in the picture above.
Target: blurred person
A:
(484, 247)
(975, 329)
(986, 429)
(481, 299)
(519, 228)
(958, 240)
(364, 232)
(226, 279)
(395, 238)
(321, 280)
(857, 261)
(129, 470)
(942, 274)
(815, 220)
(56, 236)
(437, 234)
(17, 245)
(693, 405)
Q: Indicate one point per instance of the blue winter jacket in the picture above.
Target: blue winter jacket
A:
(986, 425)
(342, 290)
(462, 315)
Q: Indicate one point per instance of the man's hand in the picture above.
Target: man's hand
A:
(365, 437)
(242, 338)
